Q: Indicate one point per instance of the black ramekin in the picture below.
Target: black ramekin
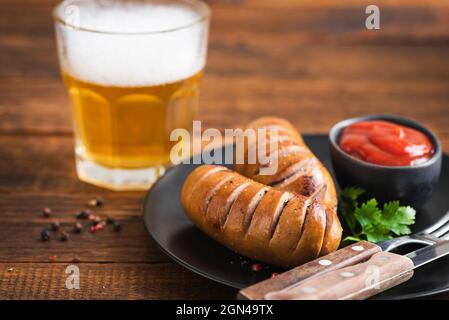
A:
(411, 185)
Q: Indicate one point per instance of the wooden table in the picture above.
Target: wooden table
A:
(310, 61)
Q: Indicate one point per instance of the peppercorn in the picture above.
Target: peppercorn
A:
(46, 212)
(45, 235)
(117, 226)
(110, 220)
(52, 258)
(97, 202)
(55, 226)
(96, 221)
(256, 267)
(83, 214)
(64, 236)
(78, 227)
(97, 227)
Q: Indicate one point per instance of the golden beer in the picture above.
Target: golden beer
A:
(132, 70)
(120, 127)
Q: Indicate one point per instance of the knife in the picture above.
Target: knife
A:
(326, 279)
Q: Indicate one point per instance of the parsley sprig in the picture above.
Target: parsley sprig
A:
(367, 221)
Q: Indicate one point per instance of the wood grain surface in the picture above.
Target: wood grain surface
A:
(310, 61)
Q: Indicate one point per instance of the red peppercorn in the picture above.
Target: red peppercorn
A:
(53, 258)
(97, 227)
(256, 267)
(274, 274)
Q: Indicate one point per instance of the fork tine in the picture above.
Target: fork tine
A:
(442, 231)
(437, 225)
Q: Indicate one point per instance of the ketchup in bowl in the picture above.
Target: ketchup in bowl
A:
(386, 143)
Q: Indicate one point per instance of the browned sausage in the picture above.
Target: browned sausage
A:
(286, 219)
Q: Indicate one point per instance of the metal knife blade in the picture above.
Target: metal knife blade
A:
(428, 254)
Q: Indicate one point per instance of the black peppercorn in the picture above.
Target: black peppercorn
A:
(110, 220)
(45, 235)
(55, 226)
(117, 226)
(64, 236)
(84, 214)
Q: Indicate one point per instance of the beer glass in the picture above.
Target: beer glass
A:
(132, 71)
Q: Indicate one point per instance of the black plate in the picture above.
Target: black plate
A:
(181, 240)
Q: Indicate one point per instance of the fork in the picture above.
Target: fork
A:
(351, 255)
(437, 232)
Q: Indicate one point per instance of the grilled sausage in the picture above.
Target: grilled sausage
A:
(285, 219)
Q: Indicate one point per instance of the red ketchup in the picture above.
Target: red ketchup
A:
(386, 143)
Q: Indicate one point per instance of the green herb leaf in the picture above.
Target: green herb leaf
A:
(368, 214)
(397, 218)
(367, 221)
(350, 239)
(349, 204)
(352, 193)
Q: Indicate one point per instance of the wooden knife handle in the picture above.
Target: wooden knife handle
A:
(344, 257)
(381, 272)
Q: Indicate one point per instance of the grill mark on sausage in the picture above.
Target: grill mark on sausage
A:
(231, 200)
(294, 171)
(207, 174)
(320, 193)
(213, 192)
(287, 149)
(307, 206)
(254, 147)
(279, 153)
(286, 197)
(326, 230)
(310, 187)
(255, 201)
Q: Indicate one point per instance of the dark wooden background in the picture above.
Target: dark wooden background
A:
(310, 61)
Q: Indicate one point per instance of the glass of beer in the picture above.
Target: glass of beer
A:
(132, 71)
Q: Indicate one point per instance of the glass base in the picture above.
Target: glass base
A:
(117, 179)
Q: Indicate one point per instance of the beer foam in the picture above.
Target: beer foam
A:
(127, 47)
